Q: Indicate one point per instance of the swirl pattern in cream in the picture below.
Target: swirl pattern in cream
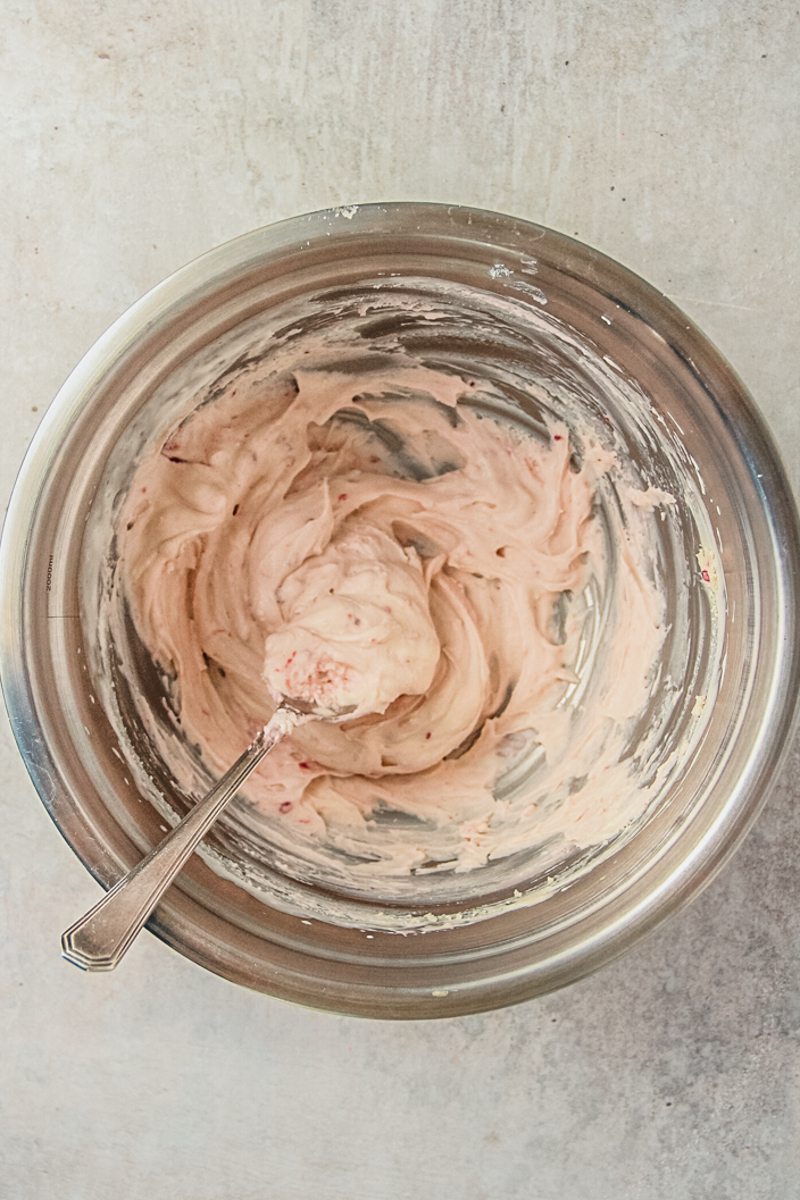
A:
(377, 541)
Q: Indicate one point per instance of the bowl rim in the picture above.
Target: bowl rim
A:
(696, 870)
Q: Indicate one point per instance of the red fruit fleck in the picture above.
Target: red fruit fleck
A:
(374, 458)
(304, 766)
(286, 806)
(342, 496)
(706, 576)
(428, 736)
(557, 437)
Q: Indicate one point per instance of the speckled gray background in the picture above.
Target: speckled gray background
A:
(136, 135)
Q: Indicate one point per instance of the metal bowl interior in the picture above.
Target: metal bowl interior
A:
(520, 946)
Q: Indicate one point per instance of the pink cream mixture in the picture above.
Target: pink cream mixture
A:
(376, 543)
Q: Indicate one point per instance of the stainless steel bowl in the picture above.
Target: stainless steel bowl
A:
(491, 947)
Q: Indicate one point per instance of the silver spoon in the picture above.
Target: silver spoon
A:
(102, 936)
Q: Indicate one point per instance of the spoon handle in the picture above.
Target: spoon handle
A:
(99, 939)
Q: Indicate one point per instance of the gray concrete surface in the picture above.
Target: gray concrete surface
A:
(136, 135)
